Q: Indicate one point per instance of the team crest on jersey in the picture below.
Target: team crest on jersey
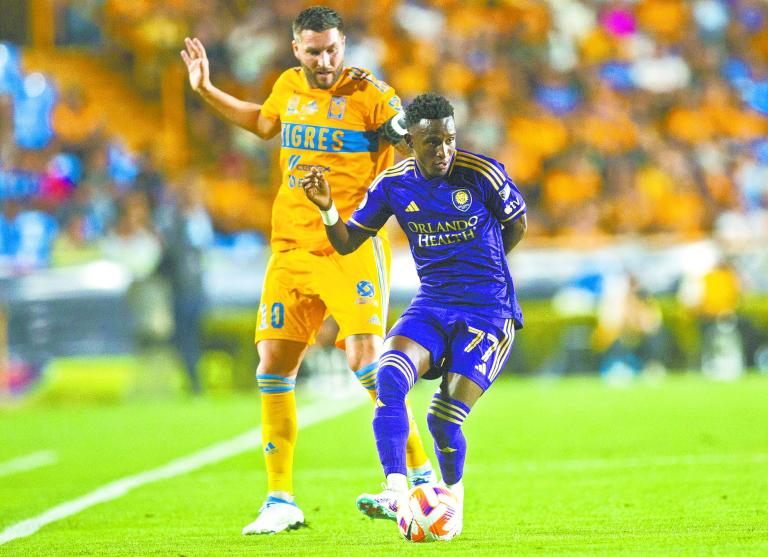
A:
(462, 200)
(396, 103)
(337, 107)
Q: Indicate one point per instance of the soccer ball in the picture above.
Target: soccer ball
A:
(429, 513)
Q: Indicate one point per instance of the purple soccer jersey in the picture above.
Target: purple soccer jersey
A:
(453, 224)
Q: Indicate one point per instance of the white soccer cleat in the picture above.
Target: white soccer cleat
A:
(379, 505)
(459, 518)
(459, 508)
(276, 515)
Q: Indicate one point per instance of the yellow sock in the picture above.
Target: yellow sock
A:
(278, 430)
(415, 455)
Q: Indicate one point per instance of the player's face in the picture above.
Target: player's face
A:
(321, 55)
(434, 143)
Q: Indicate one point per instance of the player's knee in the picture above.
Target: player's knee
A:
(362, 350)
(443, 431)
(444, 420)
(395, 377)
(277, 358)
(391, 386)
(277, 366)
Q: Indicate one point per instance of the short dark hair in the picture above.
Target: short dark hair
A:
(317, 18)
(430, 106)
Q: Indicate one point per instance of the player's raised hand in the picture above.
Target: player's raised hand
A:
(317, 190)
(196, 60)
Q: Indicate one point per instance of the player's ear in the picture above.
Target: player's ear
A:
(295, 47)
(409, 140)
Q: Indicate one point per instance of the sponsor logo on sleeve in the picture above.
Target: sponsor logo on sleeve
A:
(511, 206)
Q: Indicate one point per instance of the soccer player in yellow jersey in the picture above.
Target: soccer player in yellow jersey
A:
(344, 122)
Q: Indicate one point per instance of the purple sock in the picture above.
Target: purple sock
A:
(395, 377)
(444, 419)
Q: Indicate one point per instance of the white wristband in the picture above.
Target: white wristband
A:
(397, 126)
(331, 216)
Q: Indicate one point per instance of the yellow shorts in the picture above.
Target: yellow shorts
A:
(301, 289)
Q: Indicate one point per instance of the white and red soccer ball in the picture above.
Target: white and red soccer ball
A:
(429, 513)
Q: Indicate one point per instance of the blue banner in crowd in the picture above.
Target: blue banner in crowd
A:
(32, 110)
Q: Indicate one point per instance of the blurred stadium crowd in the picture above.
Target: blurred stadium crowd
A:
(635, 128)
(616, 118)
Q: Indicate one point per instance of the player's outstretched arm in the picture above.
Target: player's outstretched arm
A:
(512, 233)
(343, 238)
(247, 115)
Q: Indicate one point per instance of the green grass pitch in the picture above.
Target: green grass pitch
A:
(570, 467)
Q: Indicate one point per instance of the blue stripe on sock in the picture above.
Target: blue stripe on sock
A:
(277, 377)
(366, 369)
(367, 376)
(275, 383)
(270, 390)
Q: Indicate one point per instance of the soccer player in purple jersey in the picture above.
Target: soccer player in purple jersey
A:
(462, 216)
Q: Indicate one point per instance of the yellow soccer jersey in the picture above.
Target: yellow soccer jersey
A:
(334, 130)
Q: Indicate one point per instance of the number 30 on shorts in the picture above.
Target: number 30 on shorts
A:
(276, 316)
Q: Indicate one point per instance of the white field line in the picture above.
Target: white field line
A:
(27, 462)
(249, 440)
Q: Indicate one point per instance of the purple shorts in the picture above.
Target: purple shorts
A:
(471, 345)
